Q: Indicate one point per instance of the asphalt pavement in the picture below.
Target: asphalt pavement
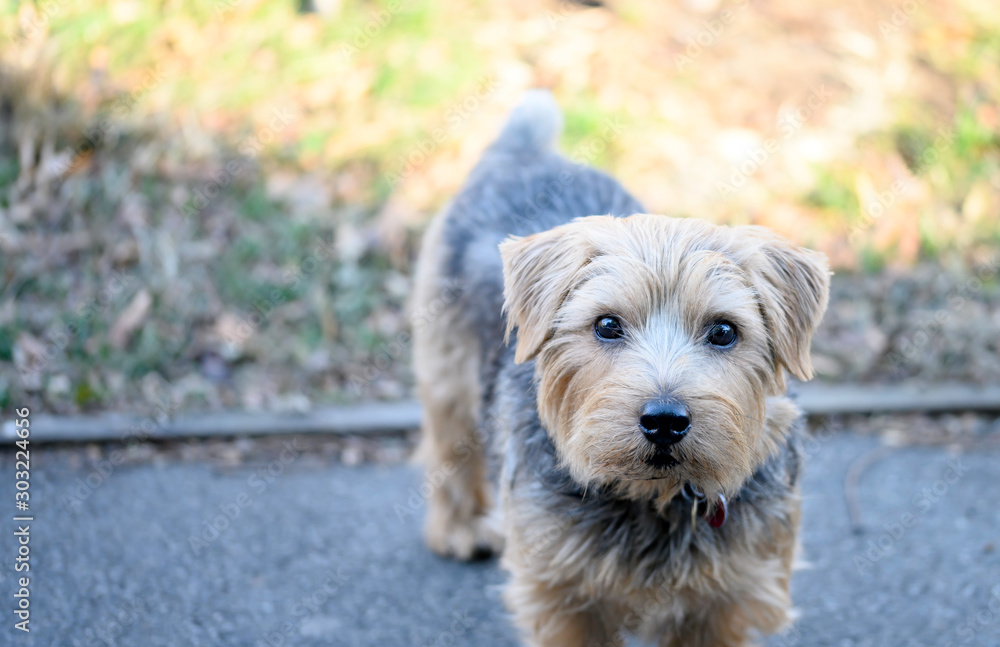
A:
(292, 552)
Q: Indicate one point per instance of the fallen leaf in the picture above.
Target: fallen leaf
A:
(130, 319)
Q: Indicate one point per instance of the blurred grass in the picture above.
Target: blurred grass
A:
(390, 104)
(371, 81)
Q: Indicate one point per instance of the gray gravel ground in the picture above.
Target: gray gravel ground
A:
(332, 555)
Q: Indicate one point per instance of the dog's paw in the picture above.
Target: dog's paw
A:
(467, 542)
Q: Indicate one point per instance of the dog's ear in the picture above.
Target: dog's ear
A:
(538, 272)
(794, 288)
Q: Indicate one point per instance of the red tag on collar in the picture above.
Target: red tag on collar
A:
(719, 512)
(718, 516)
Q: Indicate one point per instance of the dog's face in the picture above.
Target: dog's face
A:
(657, 341)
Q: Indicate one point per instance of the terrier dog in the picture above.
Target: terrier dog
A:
(604, 401)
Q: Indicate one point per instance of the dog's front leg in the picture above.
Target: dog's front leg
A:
(553, 616)
(720, 624)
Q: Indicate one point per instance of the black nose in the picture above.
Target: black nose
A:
(664, 422)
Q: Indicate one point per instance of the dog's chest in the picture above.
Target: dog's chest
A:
(608, 547)
(635, 548)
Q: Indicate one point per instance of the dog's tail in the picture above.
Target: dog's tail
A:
(533, 126)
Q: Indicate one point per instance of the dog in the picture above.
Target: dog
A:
(604, 401)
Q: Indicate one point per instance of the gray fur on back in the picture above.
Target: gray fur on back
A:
(521, 186)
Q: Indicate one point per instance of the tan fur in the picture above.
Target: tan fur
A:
(668, 280)
(446, 364)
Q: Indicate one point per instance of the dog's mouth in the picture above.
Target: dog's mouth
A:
(662, 459)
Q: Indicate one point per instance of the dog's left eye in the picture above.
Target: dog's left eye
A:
(722, 334)
(608, 328)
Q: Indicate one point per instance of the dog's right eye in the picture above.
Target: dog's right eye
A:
(608, 328)
(722, 334)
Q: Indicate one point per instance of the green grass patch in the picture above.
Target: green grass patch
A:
(834, 191)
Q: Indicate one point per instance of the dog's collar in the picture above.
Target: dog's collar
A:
(715, 514)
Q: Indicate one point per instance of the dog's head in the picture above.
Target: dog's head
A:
(657, 341)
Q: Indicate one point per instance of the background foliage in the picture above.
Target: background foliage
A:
(219, 204)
